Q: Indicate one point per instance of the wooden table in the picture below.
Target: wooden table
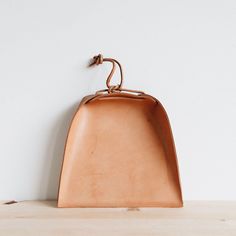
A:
(44, 218)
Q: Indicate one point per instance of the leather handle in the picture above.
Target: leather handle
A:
(97, 60)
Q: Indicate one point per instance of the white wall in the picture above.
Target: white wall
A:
(182, 52)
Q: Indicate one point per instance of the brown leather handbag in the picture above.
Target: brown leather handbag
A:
(120, 151)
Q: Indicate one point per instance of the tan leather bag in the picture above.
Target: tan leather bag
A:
(119, 151)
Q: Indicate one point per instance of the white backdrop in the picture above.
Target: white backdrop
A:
(182, 52)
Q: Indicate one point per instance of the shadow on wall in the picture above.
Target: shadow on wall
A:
(54, 155)
(55, 144)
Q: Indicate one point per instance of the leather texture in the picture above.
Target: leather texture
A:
(120, 152)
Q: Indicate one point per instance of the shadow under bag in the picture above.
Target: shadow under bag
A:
(120, 151)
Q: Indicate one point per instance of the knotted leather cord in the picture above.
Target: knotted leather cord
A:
(97, 60)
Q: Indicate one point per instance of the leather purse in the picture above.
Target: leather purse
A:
(119, 151)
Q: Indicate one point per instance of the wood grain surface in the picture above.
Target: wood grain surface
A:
(44, 218)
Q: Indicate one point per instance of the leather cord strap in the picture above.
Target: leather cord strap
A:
(97, 60)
